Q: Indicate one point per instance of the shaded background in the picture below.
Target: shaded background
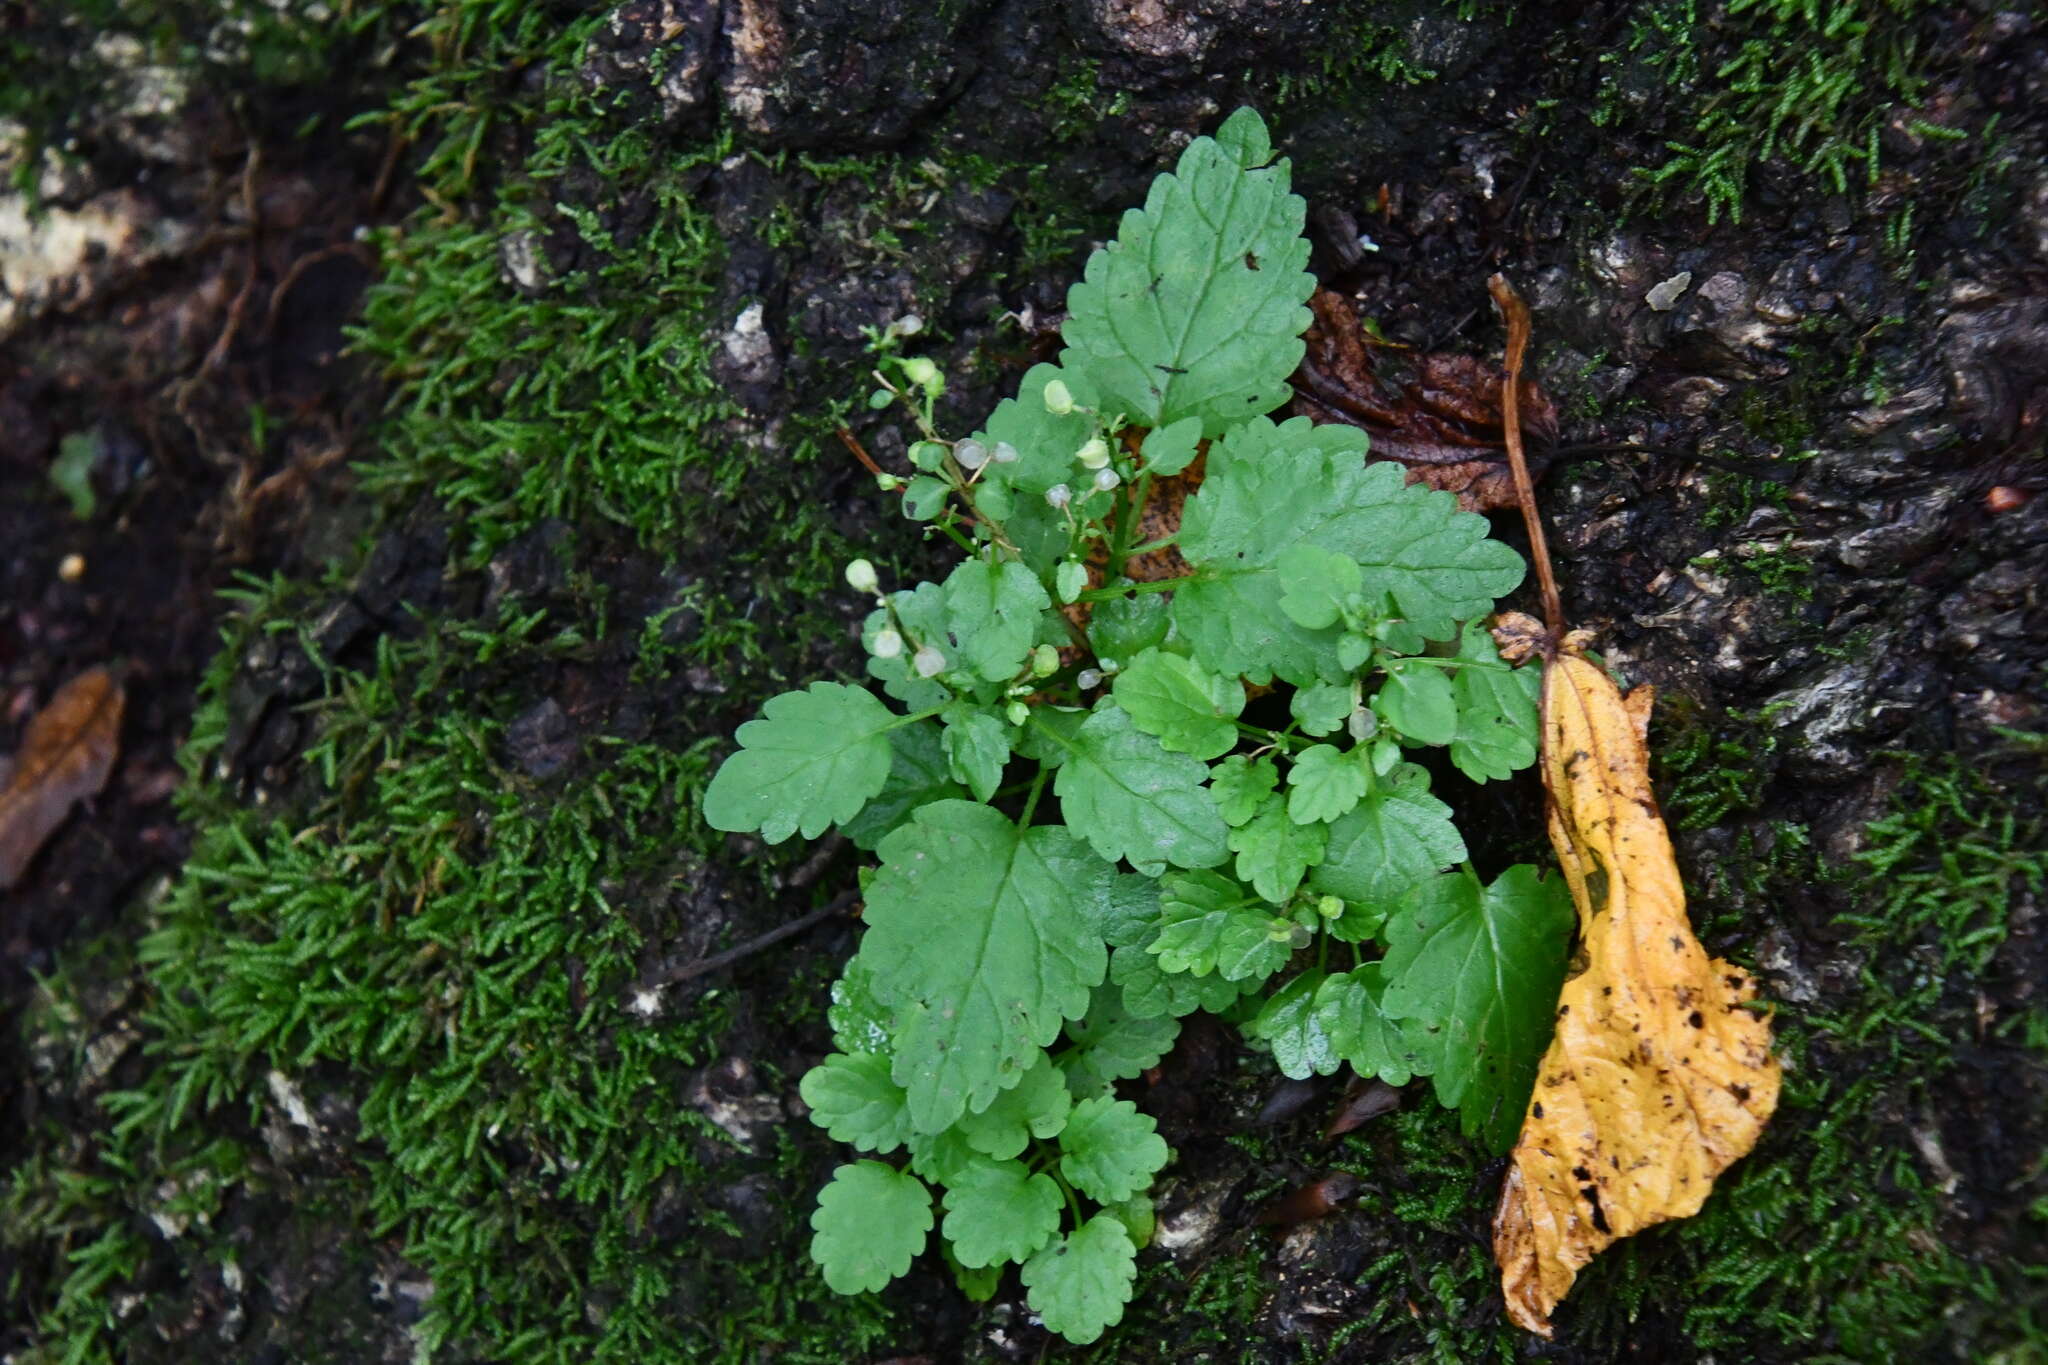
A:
(438, 399)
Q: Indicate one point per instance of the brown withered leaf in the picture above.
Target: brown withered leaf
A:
(1318, 1199)
(65, 756)
(1437, 413)
(1660, 1075)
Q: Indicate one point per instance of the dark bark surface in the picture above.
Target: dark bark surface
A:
(1797, 485)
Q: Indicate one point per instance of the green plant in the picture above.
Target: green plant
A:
(1287, 870)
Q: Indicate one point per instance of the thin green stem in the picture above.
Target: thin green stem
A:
(1127, 524)
(1031, 801)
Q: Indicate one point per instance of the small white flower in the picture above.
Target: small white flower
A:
(909, 325)
(887, 644)
(1059, 400)
(860, 576)
(1059, 495)
(1093, 455)
(1106, 479)
(1088, 679)
(928, 662)
(970, 454)
(1004, 453)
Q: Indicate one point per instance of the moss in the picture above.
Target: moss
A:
(1793, 81)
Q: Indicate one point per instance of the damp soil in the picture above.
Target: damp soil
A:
(1745, 515)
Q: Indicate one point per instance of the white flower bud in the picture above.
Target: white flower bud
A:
(920, 371)
(1059, 400)
(928, 662)
(1088, 679)
(909, 325)
(1106, 479)
(1004, 453)
(1059, 495)
(860, 576)
(887, 644)
(1093, 455)
(970, 454)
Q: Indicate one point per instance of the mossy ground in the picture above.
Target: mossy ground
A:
(381, 1033)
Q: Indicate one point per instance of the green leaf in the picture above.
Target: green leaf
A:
(1358, 922)
(1149, 992)
(1268, 488)
(977, 747)
(1139, 1217)
(1049, 737)
(922, 612)
(1497, 720)
(812, 760)
(1130, 798)
(1189, 710)
(853, 1099)
(1348, 1008)
(1111, 1044)
(924, 497)
(1109, 1151)
(1288, 1023)
(1315, 584)
(870, 1221)
(1240, 785)
(1323, 784)
(1122, 628)
(1207, 925)
(1480, 971)
(1123, 910)
(1196, 309)
(943, 1156)
(993, 611)
(1172, 448)
(859, 1022)
(918, 775)
(978, 943)
(1273, 852)
(1260, 496)
(1323, 708)
(997, 1211)
(1417, 701)
(1035, 1107)
(1396, 838)
(1045, 441)
(1078, 1284)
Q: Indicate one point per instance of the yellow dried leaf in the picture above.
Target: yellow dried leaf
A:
(1659, 1076)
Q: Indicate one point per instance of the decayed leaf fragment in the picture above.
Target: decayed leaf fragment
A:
(1660, 1075)
(65, 756)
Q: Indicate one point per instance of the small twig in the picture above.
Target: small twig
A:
(298, 268)
(1516, 314)
(393, 150)
(860, 451)
(703, 966)
(813, 867)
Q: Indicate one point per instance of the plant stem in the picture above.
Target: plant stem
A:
(1031, 801)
